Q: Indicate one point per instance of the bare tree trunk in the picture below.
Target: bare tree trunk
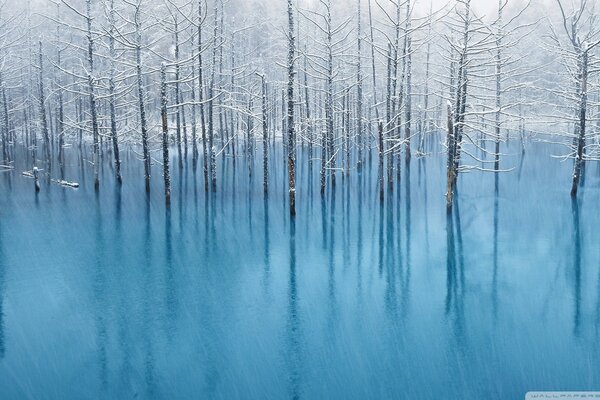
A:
(323, 161)
(165, 134)
(329, 112)
(381, 155)
(346, 127)
(579, 161)
(6, 133)
(460, 107)
(194, 122)
(265, 129)
(201, 97)
(451, 173)
(111, 89)
(36, 179)
(359, 91)
(309, 127)
(408, 74)
(177, 91)
(60, 121)
(498, 87)
(211, 128)
(373, 75)
(42, 100)
(141, 105)
(389, 127)
(250, 139)
(95, 131)
(290, 111)
(425, 126)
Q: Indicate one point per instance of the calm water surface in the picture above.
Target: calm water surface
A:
(109, 295)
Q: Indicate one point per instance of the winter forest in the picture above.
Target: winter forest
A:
(299, 198)
(337, 81)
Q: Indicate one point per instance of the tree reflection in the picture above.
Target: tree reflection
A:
(100, 292)
(2, 274)
(576, 267)
(454, 304)
(293, 344)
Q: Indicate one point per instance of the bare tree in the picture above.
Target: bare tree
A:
(582, 33)
(291, 156)
(165, 133)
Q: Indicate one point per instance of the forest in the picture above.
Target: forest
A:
(340, 81)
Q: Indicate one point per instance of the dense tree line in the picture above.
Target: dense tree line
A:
(340, 80)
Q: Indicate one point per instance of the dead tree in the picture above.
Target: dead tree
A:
(138, 45)
(165, 133)
(582, 36)
(291, 156)
(61, 112)
(201, 18)
(407, 68)
(359, 89)
(265, 135)
(112, 89)
(92, 92)
(42, 104)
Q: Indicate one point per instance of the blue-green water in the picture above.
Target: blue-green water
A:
(109, 295)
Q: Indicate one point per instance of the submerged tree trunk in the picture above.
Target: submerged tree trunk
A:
(451, 173)
(389, 127)
(194, 122)
(60, 117)
(141, 105)
(359, 92)
(498, 87)
(346, 128)
(373, 70)
(290, 112)
(111, 89)
(6, 132)
(579, 161)
(265, 135)
(425, 126)
(165, 134)
(42, 103)
(211, 128)
(36, 179)
(457, 120)
(408, 73)
(309, 125)
(381, 155)
(178, 108)
(95, 131)
(329, 113)
(201, 98)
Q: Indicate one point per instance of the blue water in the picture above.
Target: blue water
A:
(110, 295)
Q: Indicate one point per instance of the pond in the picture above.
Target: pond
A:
(109, 294)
